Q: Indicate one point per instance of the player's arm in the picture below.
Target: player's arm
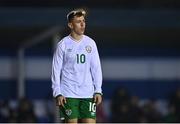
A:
(56, 72)
(96, 74)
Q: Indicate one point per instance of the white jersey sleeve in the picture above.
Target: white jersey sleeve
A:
(96, 70)
(56, 69)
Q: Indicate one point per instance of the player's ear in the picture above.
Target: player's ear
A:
(70, 25)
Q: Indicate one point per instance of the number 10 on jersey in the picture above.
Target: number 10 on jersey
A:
(81, 58)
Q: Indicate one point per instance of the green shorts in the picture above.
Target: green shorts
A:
(78, 108)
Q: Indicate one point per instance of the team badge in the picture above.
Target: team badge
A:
(68, 112)
(88, 49)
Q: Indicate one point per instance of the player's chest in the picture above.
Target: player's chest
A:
(78, 52)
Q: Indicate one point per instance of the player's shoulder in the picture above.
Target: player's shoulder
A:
(63, 41)
(89, 39)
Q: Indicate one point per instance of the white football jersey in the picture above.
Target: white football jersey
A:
(76, 68)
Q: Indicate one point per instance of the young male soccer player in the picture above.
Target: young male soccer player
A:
(76, 73)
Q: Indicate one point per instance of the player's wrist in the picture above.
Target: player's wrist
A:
(58, 96)
(96, 93)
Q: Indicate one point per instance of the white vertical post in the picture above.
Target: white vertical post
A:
(21, 74)
(21, 58)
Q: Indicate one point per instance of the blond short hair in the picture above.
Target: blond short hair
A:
(76, 12)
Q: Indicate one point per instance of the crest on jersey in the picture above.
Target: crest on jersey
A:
(88, 49)
(68, 112)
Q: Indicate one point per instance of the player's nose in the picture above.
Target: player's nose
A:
(82, 24)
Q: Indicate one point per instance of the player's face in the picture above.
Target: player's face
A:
(77, 25)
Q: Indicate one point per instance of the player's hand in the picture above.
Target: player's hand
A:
(97, 98)
(60, 100)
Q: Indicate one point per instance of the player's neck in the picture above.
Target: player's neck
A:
(76, 37)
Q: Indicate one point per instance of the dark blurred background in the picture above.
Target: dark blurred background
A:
(138, 42)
